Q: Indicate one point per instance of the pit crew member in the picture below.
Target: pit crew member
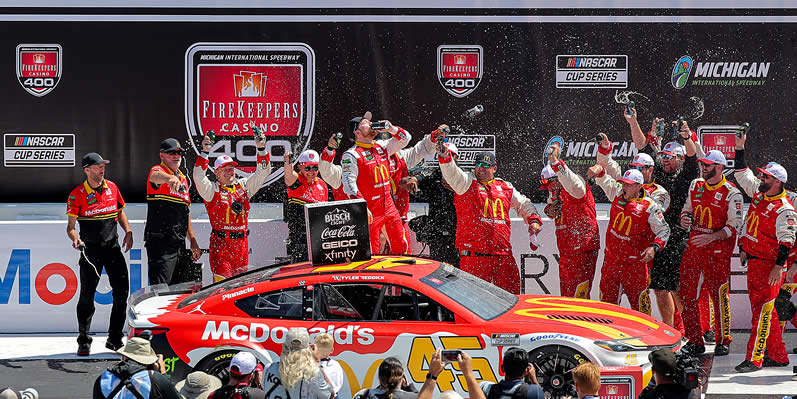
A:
(303, 188)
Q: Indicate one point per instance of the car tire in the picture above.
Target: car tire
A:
(217, 364)
(554, 366)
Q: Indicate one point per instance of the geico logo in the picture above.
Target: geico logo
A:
(339, 244)
(700, 216)
(101, 210)
(465, 141)
(497, 206)
(623, 219)
(259, 332)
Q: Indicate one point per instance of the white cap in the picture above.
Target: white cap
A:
(243, 363)
(453, 148)
(223, 160)
(775, 170)
(308, 156)
(642, 159)
(632, 176)
(673, 148)
(547, 172)
(714, 157)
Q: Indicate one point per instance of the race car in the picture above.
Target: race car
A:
(398, 306)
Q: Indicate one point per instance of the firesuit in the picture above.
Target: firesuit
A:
(791, 287)
(769, 227)
(366, 175)
(484, 227)
(713, 208)
(331, 174)
(301, 192)
(577, 234)
(653, 190)
(400, 164)
(635, 225)
(228, 210)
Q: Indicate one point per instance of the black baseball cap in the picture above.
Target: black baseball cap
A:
(354, 122)
(171, 144)
(663, 361)
(486, 157)
(92, 159)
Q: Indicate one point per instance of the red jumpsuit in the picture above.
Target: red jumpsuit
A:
(484, 227)
(634, 226)
(577, 234)
(366, 175)
(713, 208)
(229, 245)
(791, 286)
(770, 223)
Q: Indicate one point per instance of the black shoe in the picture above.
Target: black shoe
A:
(768, 362)
(113, 345)
(693, 349)
(794, 350)
(746, 367)
(708, 336)
(721, 350)
(84, 349)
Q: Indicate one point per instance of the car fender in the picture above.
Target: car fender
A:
(262, 354)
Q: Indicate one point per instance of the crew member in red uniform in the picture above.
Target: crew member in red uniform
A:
(789, 285)
(713, 214)
(97, 206)
(766, 239)
(572, 208)
(168, 215)
(304, 187)
(636, 232)
(366, 175)
(483, 225)
(227, 203)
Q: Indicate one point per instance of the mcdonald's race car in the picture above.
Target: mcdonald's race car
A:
(392, 306)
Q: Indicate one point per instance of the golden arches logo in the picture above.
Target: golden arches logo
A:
(701, 212)
(381, 173)
(623, 220)
(497, 205)
(752, 224)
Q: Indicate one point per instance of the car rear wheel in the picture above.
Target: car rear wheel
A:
(555, 364)
(217, 364)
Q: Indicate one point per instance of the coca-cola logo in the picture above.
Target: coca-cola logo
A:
(340, 232)
(337, 217)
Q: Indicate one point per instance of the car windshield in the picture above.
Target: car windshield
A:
(480, 297)
(230, 284)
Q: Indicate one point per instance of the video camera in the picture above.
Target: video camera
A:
(687, 371)
(423, 228)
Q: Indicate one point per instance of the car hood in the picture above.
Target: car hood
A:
(590, 319)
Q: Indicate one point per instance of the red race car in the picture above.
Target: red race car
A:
(391, 306)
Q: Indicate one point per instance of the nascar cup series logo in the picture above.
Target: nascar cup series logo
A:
(230, 85)
(459, 68)
(39, 67)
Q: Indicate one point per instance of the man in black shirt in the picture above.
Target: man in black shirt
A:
(168, 216)
(665, 368)
(138, 375)
(675, 168)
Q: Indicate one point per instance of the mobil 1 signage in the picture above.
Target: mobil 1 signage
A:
(337, 232)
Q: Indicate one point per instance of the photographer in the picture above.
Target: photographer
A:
(516, 368)
(665, 371)
(245, 370)
(438, 229)
(139, 372)
(393, 383)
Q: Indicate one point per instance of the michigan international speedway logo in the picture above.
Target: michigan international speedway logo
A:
(719, 73)
(680, 72)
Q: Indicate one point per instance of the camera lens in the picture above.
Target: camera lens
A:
(237, 207)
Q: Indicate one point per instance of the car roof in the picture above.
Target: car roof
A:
(409, 265)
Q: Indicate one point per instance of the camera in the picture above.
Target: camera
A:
(237, 207)
(687, 371)
(422, 226)
(450, 355)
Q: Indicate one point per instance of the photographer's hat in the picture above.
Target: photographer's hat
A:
(663, 361)
(139, 349)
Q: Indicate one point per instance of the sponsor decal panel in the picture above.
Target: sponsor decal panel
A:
(591, 71)
(619, 387)
(231, 85)
(460, 68)
(719, 72)
(38, 150)
(721, 138)
(39, 67)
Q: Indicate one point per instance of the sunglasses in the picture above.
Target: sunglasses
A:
(483, 165)
(173, 152)
(309, 168)
(546, 181)
(667, 156)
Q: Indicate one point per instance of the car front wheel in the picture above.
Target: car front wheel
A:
(555, 364)
(217, 364)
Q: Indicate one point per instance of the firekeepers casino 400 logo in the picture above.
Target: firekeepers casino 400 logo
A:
(459, 68)
(229, 85)
(39, 67)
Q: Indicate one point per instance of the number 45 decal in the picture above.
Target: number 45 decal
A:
(421, 355)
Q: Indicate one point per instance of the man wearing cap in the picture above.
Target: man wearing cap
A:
(675, 168)
(97, 206)
(483, 203)
(713, 215)
(572, 208)
(767, 237)
(438, 229)
(168, 215)
(636, 232)
(197, 385)
(227, 203)
(665, 368)
(303, 188)
(137, 375)
(244, 371)
(366, 175)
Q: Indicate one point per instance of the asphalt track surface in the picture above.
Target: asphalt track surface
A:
(70, 377)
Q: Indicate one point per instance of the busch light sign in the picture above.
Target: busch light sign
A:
(337, 232)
